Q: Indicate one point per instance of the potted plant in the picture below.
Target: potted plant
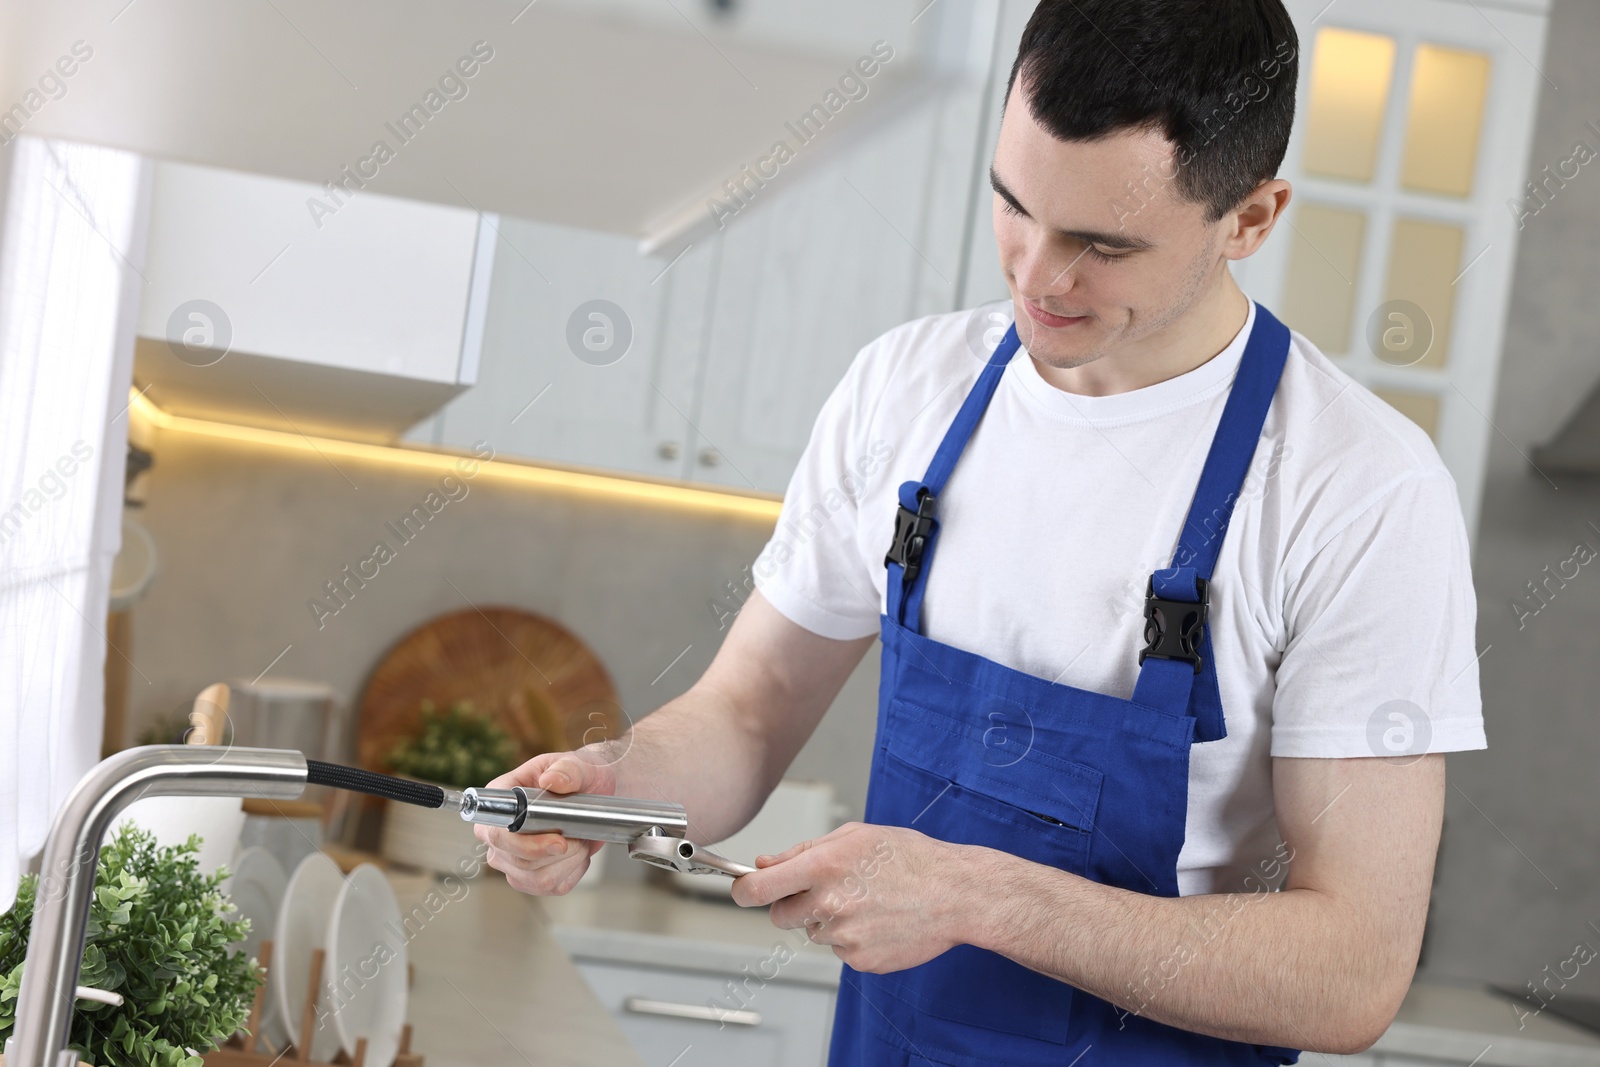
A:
(159, 935)
(454, 748)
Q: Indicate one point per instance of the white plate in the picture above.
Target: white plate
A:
(302, 928)
(367, 966)
(256, 888)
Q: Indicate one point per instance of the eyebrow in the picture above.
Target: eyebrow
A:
(1110, 239)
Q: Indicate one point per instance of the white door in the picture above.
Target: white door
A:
(1412, 134)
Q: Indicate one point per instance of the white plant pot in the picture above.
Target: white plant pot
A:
(217, 820)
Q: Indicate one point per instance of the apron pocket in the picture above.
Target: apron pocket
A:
(1038, 783)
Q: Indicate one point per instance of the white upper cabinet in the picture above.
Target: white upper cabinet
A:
(292, 306)
(590, 353)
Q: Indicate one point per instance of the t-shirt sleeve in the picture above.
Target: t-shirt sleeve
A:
(814, 569)
(1380, 658)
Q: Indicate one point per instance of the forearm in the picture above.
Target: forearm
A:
(720, 748)
(1295, 968)
(700, 751)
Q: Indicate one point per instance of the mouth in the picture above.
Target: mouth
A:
(1054, 322)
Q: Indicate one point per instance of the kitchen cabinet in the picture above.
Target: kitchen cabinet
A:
(664, 1012)
(299, 307)
(590, 353)
(657, 959)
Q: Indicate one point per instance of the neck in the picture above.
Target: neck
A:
(1197, 335)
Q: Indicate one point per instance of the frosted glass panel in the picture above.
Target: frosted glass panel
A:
(1350, 76)
(1420, 408)
(1424, 260)
(1448, 89)
(1324, 271)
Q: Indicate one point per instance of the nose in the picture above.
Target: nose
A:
(1043, 271)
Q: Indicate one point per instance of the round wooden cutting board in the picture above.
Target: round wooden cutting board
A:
(530, 674)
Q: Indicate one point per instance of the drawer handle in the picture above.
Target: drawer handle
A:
(702, 1012)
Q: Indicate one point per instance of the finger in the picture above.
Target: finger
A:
(762, 887)
(796, 912)
(817, 928)
(555, 880)
(767, 859)
(526, 775)
(531, 851)
(804, 846)
(553, 864)
(565, 774)
(507, 863)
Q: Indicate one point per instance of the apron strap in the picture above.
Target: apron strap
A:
(916, 527)
(1177, 672)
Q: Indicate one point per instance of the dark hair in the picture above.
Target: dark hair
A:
(1216, 77)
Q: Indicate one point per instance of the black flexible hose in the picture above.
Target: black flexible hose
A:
(357, 780)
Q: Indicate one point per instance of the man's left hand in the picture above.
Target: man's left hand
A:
(884, 897)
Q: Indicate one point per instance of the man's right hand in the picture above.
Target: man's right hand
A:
(547, 864)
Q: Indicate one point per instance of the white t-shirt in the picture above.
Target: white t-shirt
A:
(1342, 595)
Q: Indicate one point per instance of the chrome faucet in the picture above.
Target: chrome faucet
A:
(653, 830)
(72, 852)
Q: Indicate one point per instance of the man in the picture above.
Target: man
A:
(1162, 583)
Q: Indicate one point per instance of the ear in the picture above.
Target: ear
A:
(1253, 219)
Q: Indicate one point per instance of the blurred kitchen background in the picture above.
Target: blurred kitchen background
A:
(616, 254)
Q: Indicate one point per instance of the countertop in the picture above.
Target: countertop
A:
(648, 923)
(492, 987)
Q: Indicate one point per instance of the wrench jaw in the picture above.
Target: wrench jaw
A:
(684, 856)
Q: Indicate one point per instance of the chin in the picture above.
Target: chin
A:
(1055, 351)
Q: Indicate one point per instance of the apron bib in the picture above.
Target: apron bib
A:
(974, 752)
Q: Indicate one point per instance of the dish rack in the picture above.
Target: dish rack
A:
(240, 1050)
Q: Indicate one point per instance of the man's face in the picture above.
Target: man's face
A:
(1097, 247)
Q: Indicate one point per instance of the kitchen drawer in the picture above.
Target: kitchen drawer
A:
(780, 1024)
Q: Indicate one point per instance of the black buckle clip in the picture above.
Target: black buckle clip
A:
(911, 532)
(1172, 628)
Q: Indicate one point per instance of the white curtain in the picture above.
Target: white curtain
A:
(70, 236)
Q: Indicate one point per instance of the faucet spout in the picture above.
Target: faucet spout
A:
(72, 851)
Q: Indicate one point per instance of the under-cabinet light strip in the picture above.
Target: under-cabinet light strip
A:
(751, 505)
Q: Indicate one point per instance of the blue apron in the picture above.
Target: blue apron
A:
(974, 752)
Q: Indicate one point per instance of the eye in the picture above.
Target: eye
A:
(1105, 257)
(1008, 207)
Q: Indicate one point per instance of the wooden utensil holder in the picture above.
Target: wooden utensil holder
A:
(240, 1051)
